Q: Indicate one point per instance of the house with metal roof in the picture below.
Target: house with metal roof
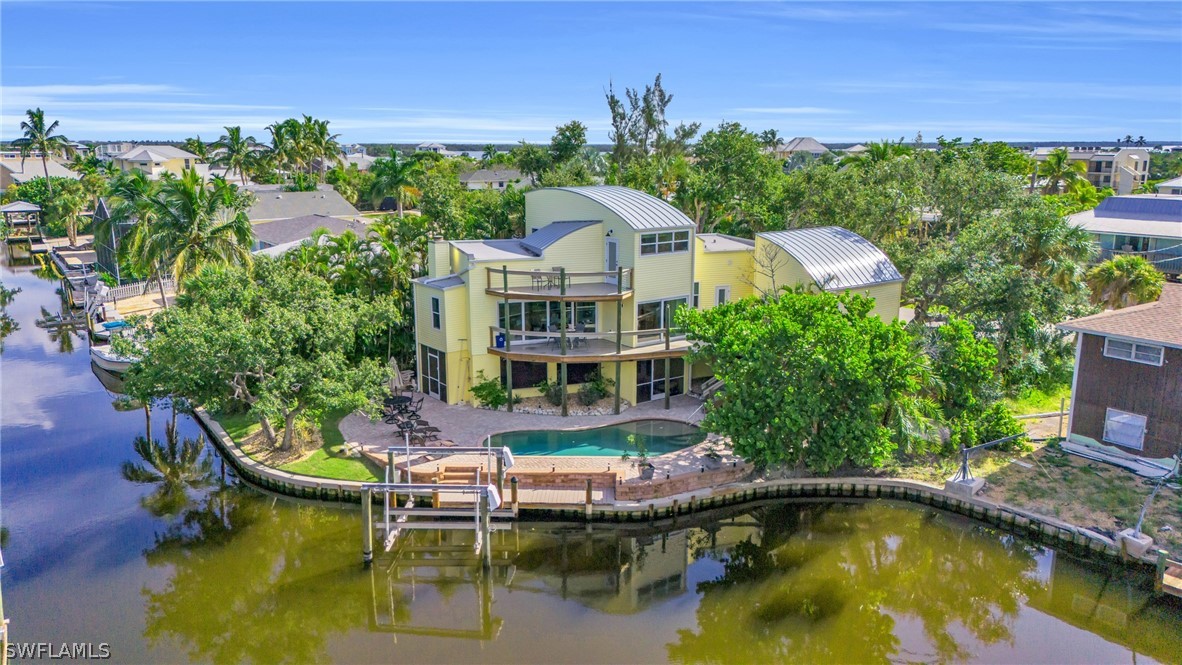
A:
(1126, 390)
(1172, 186)
(592, 289)
(1148, 225)
(278, 204)
(495, 178)
(829, 258)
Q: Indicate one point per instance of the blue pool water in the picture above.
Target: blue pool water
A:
(659, 437)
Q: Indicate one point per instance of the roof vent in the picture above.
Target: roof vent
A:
(278, 196)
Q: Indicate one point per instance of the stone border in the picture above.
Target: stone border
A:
(270, 478)
(1039, 528)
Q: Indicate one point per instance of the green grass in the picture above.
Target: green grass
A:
(1037, 401)
(327, 463)
(238, 426)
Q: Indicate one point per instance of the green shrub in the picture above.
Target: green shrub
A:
(551, 391)
(489, 393)
(596, 388)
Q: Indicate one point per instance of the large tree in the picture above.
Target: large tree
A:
(1058, 170)
(186, 224)
(808, 377)
(235, 152)
(275, 340)
(1125, 280)
(40, 137)
(393, 177)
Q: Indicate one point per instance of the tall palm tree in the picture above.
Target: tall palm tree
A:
(234, 151)
(489, 156)
(195, 225)
(197, 147)
(129, 203)
(880, 151)
(41, 138)
(285, 148)
(392, 177)
(68, 206)
(176, 465)
(1125, 280)
(320, 145)
(1059, 170)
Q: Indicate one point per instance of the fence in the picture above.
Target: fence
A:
(138, 289)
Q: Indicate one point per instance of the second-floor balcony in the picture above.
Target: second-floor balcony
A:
(581, 345)
(1169, 262)
(559, 284)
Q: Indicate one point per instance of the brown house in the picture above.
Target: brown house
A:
(1127, 387)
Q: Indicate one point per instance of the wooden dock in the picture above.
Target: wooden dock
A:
(1169, 575)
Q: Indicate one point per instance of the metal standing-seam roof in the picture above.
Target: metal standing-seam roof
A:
(495, 250)
(836, 258)
(20, 206)
(1154, 215)
(639, 210)
(539, 240)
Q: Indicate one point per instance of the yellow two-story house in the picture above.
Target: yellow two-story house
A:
(592, 287)
(156, 160)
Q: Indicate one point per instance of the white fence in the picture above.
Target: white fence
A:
(138, 289)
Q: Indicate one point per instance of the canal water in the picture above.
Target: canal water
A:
(208, 570)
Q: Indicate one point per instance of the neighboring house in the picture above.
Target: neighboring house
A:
(437, 148)
(155, 160)
(278, 204)
(1148, 225)
(833, 259)
(497, 179)
(799, 144)
(855, 149)
(1122, 169)
(593, 287)
(1127, 387)
(15, 170)
(1173, 187)
(109, 151)
(361, 160)
(281, 235)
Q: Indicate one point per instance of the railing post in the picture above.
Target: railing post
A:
(668, 387)
(435, 492)
(367, 526)
(513, 495)
(1160, 578)
(562, 334)
(508, 342)
(619, 334)
(587, 499)
(1062, 408)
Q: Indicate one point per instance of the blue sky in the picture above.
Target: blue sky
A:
(503, 72)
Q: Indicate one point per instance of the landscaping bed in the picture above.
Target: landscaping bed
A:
(320, 453)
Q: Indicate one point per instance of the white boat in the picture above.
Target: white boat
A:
(105, 358)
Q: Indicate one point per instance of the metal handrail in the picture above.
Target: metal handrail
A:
(498, 278)
(659, 335)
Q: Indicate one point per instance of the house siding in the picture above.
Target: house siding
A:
(1147, 390)
(715, 269)
(789, 272)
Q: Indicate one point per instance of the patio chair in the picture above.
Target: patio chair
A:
(553, 340)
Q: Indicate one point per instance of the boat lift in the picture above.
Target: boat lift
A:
(401, 498)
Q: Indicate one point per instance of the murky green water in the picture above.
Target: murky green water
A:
(223, 573)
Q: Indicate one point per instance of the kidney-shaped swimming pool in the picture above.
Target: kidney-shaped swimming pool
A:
(658, 437)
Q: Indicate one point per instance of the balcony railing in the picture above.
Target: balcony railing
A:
(573, 344)
(559, 284)
(1168, 262)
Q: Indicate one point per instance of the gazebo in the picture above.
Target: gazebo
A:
(21, 219)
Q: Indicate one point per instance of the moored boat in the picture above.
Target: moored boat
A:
(106, 358)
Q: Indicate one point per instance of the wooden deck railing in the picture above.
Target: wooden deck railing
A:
(533, 339)
(504, 280)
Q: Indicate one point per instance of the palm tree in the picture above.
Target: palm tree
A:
(770, 138)
(41, 138)
(68, 206)
(1058, 170)
(176, 465)
(1129, 139)
(235, 152)
(1140, 141)
(285, 148)
(881, 151)
(392, 177)
(489, 156)
(319, 144)
(195, 225)
(1057, 251)
(197, 147)
(1125, 280)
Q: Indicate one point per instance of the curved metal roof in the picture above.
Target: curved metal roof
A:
(551, 233)
(836, 258)
(639, 210)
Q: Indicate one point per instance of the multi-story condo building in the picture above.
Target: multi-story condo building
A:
(1122, 169)
(594, 285)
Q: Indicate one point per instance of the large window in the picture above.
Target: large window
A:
(657, 314)
(1134, 351)
(577, 373)
(651, 382)
(666, 242)
(525, 374)
(1124, 429)
(541, 316)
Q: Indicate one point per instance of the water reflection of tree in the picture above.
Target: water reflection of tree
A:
(61, 329)
(826, 584)
(252, 581)
(8, 325)
(174, 466)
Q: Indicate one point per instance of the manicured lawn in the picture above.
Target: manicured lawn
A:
(1036, 401)
(326, 462)
(238, 426)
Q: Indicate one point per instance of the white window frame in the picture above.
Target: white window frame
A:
(664, 242)
(1134, 350)
(696, 298)
(725, 291)
(436, 313)
(1108, 416)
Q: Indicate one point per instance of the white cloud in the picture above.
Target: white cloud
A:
(791, 110)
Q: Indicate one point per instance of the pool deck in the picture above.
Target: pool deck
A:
(468, 426)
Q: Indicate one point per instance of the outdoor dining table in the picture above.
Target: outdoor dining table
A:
(397, 401)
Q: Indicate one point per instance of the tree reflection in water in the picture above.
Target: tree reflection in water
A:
(250, 583)
(174, 466)
(830, 583)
